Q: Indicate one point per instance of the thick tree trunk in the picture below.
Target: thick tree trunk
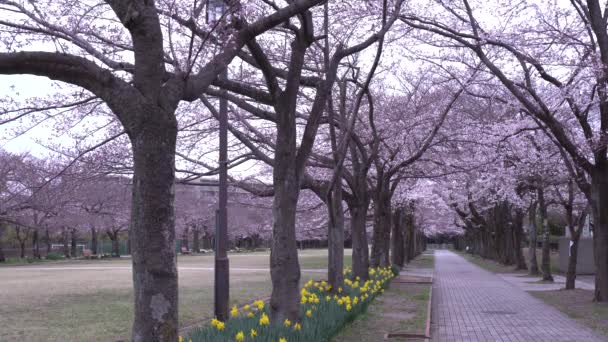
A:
(196, 240)
(152, 229)
(358, 220)
(94, 238)
(599, 194)
(532, 238)
(518, 234)
(546, 253)
(382, 226)
(284, 265)
(397, 238)
(36, 244)
(572, 260)
(335, 239)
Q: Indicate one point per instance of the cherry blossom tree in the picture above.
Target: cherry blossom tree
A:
(141, 58)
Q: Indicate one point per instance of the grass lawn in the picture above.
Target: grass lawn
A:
(496, 267)
(401, 309)
(91, 300)
(578, 305)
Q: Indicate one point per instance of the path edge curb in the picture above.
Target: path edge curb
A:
(429, 314)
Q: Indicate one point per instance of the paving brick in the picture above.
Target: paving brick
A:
(471, 304)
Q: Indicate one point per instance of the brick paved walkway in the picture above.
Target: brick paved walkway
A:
(471, 304)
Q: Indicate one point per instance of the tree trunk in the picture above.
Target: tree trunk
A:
(47, 240)
(382, 226)
(546, 256)
(36, 244)
(335, 238)
(397, 238)
(65, 237)
(196, 240)
(185, 240)
(532, 245)
(2, 257)
(94, 240)
(572, 260)
(518, 234)
(115, 246)
(284, 265)
(152, 229)
(599, 194)
(358, 220)
(74, 251)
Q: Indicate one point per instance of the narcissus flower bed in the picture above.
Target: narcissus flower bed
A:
(323, 313)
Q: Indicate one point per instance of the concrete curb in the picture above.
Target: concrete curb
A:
(429, 315)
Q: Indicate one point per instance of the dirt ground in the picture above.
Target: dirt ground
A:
(578, 304)
(92, 300)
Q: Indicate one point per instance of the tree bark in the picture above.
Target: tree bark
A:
(2, 256)
(599, 195)
(572, 260)
(335, 238)
(518, 233)
(397, 238)
(185, 240)
(152, 228)
(546, 254)
(36, 244)
(382, 225)
(115, 247)
(74, 251)
(94, 240)
(284, 265)
(196, 240)
(532, 245)
(65, 237)
(47, 240)
(358, 220)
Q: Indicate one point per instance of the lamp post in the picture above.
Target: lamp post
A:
(215, 11)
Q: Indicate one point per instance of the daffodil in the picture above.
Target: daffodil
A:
(348, 307)
(264, 320)
(287, 323)
(309, 313)
(250, 314)
(253, 333)
(240, 336)
(297, 327)
(234, 312)
(180, 339)
(246, 307)
(220, 326)
(215, 322)
(282, 339)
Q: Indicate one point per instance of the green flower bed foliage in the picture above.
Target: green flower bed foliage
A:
(323, 313)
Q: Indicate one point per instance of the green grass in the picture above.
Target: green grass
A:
(51, 303)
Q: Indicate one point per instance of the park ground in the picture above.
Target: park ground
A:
(84, 300)
(91, 300)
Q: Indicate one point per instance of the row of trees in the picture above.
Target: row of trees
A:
(375, 107)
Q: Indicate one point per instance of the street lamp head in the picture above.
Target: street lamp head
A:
(215, 10)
